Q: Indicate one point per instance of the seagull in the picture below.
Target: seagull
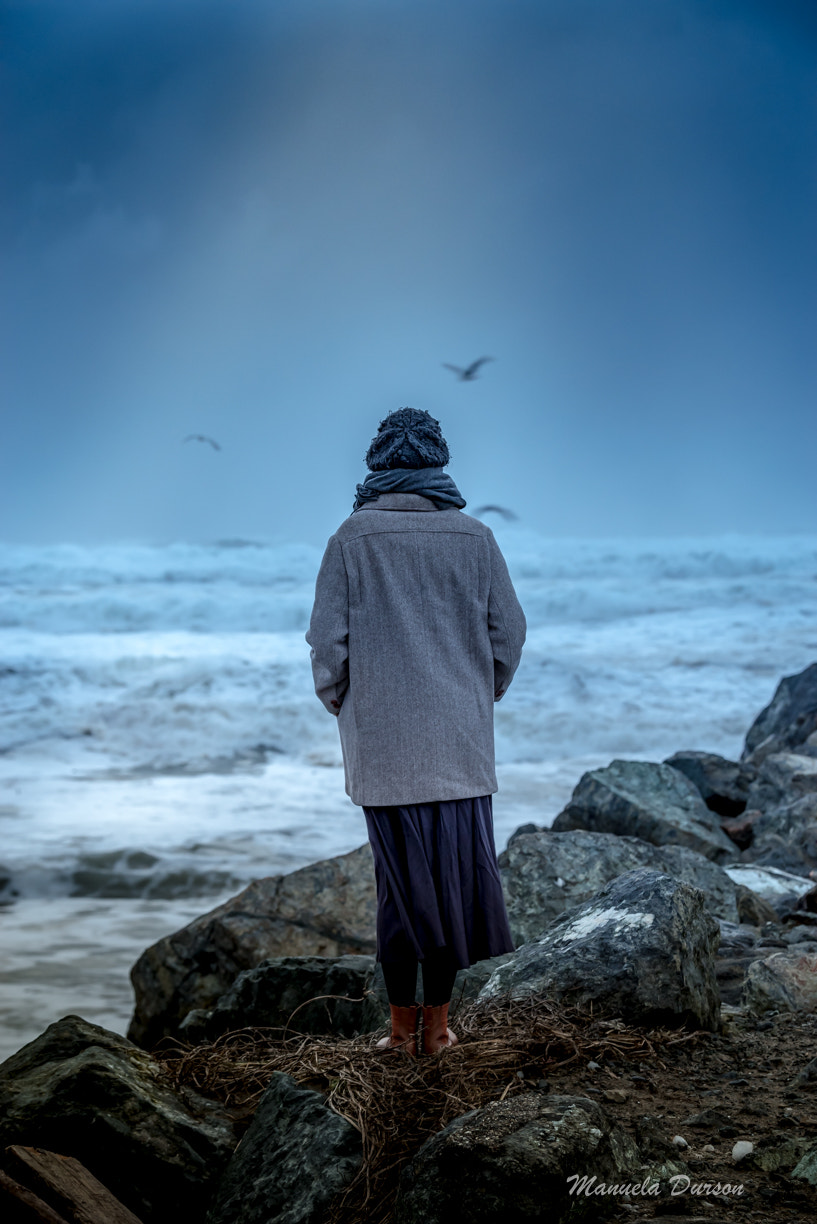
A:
(508, 515)
(470, 372)
(203, 438)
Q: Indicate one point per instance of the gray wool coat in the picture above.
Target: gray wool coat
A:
(415, 633)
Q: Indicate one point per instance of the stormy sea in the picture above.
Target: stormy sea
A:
(161, 745)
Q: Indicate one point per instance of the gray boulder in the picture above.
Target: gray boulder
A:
(737, 950)
(325, 909)
(517, 1160)
(545, 873)
(295, 1158)
(641, 799)
(778, 1153)
(784, 981)
(307, 994)
(779, 826)
(786, 838)
(643, 949)
(469, 982)
(85, 1092)
(789, 722)
(800, 934)
(782, 779)
(806, 1167)
(723, 785)
(753, 909)
(807, 1076)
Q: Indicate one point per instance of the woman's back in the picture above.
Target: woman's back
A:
(433, 630)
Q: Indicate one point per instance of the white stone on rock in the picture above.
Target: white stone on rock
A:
(604, 917)
(768, 882)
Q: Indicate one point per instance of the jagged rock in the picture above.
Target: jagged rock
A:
(807, 1076)
(789, 722)
(737, 950)
(780, 1153)
(784, 981)
(805, 914)
(780, 889)
(525, 829)
(806, 1168)
(800, 934)
(295, 1157)
(85, 1092)
(545, 873)
(710, 1120)
(651, 1137)
(741, 829)
(723, 785)
(659, 1152)
(752, 908)
(469, 982)
(786, 837)
(509, 1159)
(641, 799)
(296, 992)
(325, 909)
(643, 949)
(782, 779)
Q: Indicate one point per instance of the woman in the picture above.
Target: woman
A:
(415, 633)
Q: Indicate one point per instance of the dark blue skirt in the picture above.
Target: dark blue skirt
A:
(438, 884)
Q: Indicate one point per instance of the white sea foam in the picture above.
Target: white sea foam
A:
(138, 683)
(159, 736)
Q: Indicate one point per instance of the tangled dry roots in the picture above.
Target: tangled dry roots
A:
(395, 1102)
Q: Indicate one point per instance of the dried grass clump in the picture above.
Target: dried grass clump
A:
(396, 1103)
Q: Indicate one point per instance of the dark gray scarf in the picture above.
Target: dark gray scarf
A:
(431, 482)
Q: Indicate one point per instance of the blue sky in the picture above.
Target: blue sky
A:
(273, 222)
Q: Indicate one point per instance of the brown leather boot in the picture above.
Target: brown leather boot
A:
(403, 1034)
(436, 1033)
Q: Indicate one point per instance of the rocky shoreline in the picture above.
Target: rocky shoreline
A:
(673, 902)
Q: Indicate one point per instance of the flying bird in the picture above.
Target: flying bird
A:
(203, 438)
(508, 515)
(470, 372)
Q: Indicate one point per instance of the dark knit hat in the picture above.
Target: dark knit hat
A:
(407, 438)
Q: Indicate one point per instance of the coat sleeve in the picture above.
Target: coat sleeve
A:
(506, 622)
(328, 633)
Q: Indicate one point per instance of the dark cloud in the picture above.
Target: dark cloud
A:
(272, 223)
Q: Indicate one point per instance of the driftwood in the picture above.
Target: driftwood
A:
(19, 1205)
(67, 1184)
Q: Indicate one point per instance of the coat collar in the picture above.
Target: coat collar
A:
(401, 501)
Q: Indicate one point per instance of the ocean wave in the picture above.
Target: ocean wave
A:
(146, 691)
(257, 588)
